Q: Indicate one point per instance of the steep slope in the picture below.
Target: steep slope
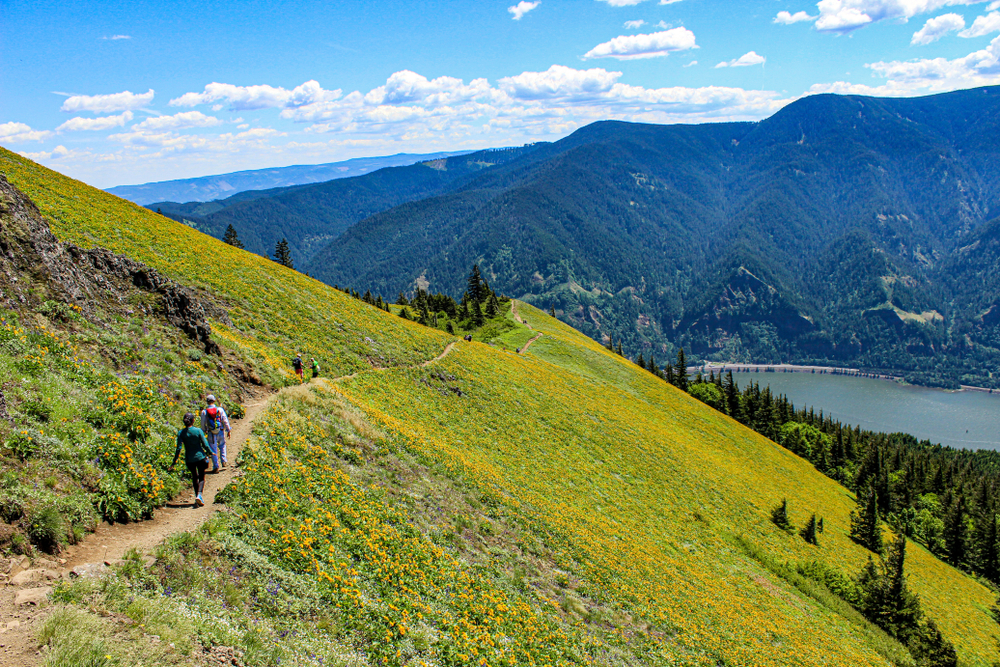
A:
(651, 233)
(310, 216)
(557, 507)
(220, 186)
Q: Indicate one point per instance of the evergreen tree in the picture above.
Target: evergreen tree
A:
(809, 531)
(779, 516)
(492, 306)
(404, 313)
(231, 237)
(450, 328)
(477, 314)
(732, 395)
(282, 255)
(552, 310)
(668, 374)
(931, 649)
(819, 525)
(652, 367)
(955, 532)
(618, 350)
(884, 596)
(865, 527)
(989, 550)
(475, 285)
(641, 362)
(680, 371)
(402, 300)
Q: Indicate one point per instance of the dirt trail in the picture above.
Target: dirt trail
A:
(517, 316)
(110, 542)
(525, 348)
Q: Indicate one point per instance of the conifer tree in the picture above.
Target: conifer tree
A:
(477, 314)
(450, 328)
(282, 255)
(989, 549)
(809, 531)
(552, 310)
(652, 367)
(680, 371)
(492, 306)
(618, 350)
(865, 527)
(641, 362)
(955, 532)
(732, 395)
(819, 525)
(931, 648)
(779, 516)
(668, 374)
(231, 237)
(475, 285)
(402, 300)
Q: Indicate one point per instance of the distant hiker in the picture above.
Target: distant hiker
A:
(196, 453)
(215, 424)
(315, 368)
(297, 365)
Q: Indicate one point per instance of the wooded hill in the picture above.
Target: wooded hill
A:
(841, 230)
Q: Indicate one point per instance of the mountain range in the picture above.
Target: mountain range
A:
(220, 186)
(843, 229)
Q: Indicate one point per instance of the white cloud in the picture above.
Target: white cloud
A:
(178, 121)
(520, 9)
(653, 45)
(56, 153)
(558, 81)
(634, 25)
(124, 101)
(115, 38)
(746, 60)
(18, 132)
(921, 76)
(787, 18)
(938, 27)
(692, 63)
(668, 2)
(622, 3)
(848, 15)
(257, 97)
(95, 124)
(983, 25)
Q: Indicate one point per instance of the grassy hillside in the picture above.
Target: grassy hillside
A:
(558, 507)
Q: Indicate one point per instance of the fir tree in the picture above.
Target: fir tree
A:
(552, 310)
(231, 237)
(450, 328)
(477, 314)
(282, 255)
(955, 532)
(819, 525)
(779, 516)
(732, 394)
(492, 307)
(618, 350)
(668, 374)
(404, 313)
(884, 596)
(641, 362)
(865, 527)
(680, 371)
(809, 531)
(475, 285)
(931, 649)
(402, 300)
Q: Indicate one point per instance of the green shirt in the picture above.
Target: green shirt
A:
(195, 445)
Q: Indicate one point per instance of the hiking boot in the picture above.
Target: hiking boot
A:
(198, 502)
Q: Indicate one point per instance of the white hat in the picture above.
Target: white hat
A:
(210, 398)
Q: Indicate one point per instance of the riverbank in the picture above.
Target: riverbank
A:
(817, 370)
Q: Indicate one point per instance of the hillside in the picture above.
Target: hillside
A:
(483, 507)
(222, 186)
(310, 216)
(828, 233)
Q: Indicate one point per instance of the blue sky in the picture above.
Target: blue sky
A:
(117, 92)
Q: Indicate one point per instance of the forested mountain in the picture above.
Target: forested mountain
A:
(219, 186)
(842, 229)
(310, 216)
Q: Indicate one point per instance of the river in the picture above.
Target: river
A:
(966, 419)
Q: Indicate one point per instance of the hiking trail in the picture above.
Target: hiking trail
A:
(110, 542)
(517, 316)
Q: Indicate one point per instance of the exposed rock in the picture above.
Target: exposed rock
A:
(33, 576)
(88, 570)
(83, 278)
(15, 565)
(34, 596)
(224, 655)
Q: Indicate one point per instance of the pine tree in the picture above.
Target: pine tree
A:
(809, 531)
(402, 300)
(668, 374)
(955, 532)
(475, 285)
(618, 350)
(819, 525)
(680, 371)
(989, 556)
(477, 314)
(450, 328)
(641, 362)
(404, 313)
(931, 649)
(779, 516)
(492, 306)
(865, 527)
(552, 310)
(732, 395)
(282, 255)
(231, 237)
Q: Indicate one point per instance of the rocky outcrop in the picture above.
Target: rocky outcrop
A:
(35, 266)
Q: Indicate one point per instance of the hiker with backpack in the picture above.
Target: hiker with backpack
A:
(315, 368)
(196, 453)
(297, 365)
(215, 424)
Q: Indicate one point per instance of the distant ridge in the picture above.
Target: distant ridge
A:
(220, 186)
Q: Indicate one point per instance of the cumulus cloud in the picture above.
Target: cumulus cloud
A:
(983, 25)
(95, 124)
(746, 60)
(17, 132)
(178, 121)
(692, 63)
(520, 9)
(653, 45)
(634, 25)
(558, 81)
(847, 15)
(115, 38)
(787, 18)
(247, 98)
(56, 153)
(124, 101)
(938, 27)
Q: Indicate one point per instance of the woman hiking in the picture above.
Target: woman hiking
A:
(196, 455)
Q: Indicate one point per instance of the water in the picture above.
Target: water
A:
(965, 419)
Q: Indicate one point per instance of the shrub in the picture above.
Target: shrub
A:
(46, 527)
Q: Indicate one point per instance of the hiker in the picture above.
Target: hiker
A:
(196, 453)
(315, 368)
(215, 424)
(297, 365)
